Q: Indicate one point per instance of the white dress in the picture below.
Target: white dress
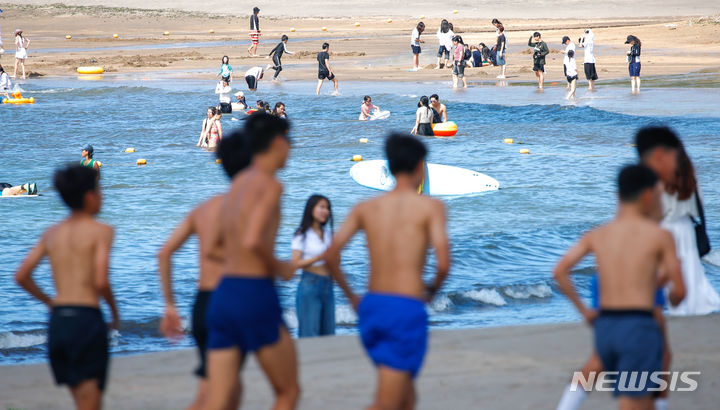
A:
(701, 298)
(21, 52)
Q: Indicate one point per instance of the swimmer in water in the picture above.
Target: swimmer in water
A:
(367, 108)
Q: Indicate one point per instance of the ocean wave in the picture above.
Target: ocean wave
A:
(19, 340)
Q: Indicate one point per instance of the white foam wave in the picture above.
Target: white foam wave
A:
(487, 296)
(10, 340)
(526, 292)
(441, 303)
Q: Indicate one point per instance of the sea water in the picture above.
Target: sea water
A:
(504, 243)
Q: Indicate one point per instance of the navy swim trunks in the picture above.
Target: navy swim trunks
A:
(393, 329)
(629, 341)
(78, 345)
(634, 69)
(245, 313)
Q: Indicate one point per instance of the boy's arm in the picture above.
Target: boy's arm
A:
(23, 276)
(530, 43)
(441, 245)
(562, 275)
(258, 225)
(327, 64)
(544, 50)
(332, 255)
(672, 269)
(102, 277)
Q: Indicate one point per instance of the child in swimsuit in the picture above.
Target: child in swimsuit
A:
(215, 132)
(367, 108)
(226, 69)
(78, 249)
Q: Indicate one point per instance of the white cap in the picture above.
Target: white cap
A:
(239, 94)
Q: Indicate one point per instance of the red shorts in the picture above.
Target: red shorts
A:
(255, 36)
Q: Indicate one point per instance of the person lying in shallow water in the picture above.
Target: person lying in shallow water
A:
(18, 190)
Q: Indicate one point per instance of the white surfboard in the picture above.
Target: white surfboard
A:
(379, 115)
(19, 196)
(443, 180)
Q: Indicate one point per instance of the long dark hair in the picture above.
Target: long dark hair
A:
(685, 183)
(308, 219)
(424, 101)
(444, 26)
(224, 59)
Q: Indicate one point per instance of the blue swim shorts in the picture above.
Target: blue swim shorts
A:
(245, 313)
(393, 329)
(634, 69)
(416, 49)
(629, 341)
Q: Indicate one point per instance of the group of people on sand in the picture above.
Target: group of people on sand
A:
(453, 52)
(21, 46)
(649, 246)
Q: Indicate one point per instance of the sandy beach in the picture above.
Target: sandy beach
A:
(678, 38)
(523, 367)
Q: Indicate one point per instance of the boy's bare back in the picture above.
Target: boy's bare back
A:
(206, 222)
(399, 227)
(254, 198)
(78, 250)
(629, 253)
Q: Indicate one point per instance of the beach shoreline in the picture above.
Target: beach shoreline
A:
(519, 367)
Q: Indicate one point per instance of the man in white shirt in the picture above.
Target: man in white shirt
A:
(588, 42)
(252, 76)
(571, 72)
(224, 90)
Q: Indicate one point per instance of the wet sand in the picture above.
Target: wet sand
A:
(376, 50)
(524, 367)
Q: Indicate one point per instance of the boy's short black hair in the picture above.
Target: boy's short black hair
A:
(234, 153)
(571, 54)
(73, 182)
(435, 96)
(256, 10)
(404, 152)
(261, 129)
(536, 34)
(284, 37)
(649, 138)
(325, 46)
(633, 180)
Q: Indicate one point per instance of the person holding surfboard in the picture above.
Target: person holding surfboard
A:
(400, 226)
(244, 315)
(7, 190)
(204, 222)
(78, 249)
(423, 118)
(367, 108)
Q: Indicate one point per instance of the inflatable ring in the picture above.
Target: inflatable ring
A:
(445, 129)
(90, 70)
(30, 100)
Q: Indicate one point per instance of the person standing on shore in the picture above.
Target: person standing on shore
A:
(571, 72)
(226, 70)
(540, 50)
(400, 226)
(277, 54)
(415, 45)
(587, 41)
(254, 32)
(500, 47)
(315, 300)
(203, 221)
(21, 45)
(633, 58)
(324, 70)
(444, 36)
(78, 249)
(634, 258)
(244, 315)
(459, 56)
(660, 149)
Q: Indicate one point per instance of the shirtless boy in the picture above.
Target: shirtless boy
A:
(399, 227)
(440, 114)
(79, 251)
(244, 315)
(634, 258)
(203, 221)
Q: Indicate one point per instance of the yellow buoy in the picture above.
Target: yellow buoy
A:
(90, 70)
(324, 29)
(363, 140)
(524, 151)
(167, 33)
(68, 37)
(141, 161)
(357, 158)
(212, 31)
(129, 150)
(389, 20)
(357, 24)
(508, 140)
(422, 17)
(454, 12)
(217, 161)
(292, 29)
(115, 36)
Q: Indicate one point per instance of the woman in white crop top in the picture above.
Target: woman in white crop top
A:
(315, 301)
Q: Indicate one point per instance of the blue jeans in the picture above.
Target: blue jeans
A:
(315, 306)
